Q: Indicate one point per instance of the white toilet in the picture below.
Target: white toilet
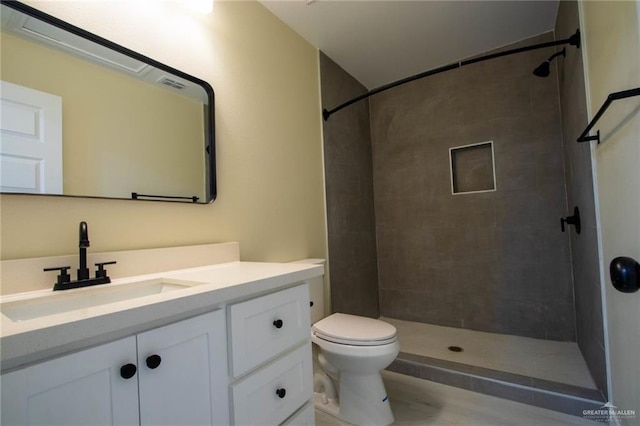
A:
(352, 351)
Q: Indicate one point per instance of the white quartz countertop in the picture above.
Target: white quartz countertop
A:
(27, 341)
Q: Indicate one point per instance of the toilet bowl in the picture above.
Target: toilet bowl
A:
(352, 351)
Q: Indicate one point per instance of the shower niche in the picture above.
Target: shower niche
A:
(472, 168)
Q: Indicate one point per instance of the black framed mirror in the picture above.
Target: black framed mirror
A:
(85, 117)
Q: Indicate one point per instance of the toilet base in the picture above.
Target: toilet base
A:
(362, 401)
(326, 405)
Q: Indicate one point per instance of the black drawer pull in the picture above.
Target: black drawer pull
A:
(127, 371)
(281, 392)
(278, 323)
(153, 361)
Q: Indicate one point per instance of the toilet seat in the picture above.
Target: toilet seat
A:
(354, 330)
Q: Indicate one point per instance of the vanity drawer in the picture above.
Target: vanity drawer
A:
(273, 393)
(304, 417)
(268, 325)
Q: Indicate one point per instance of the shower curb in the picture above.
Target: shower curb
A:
(561, 397)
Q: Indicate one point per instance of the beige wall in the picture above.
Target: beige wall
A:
(268, 124)
(612, 44)
(155, 127)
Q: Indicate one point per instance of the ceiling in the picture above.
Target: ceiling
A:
(379, 41)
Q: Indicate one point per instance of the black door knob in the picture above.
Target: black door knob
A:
(281, 392)
(625, 274)
(278, 323)
(127, 371)
(153, 361)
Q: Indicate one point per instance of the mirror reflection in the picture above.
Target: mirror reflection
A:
(82, 119)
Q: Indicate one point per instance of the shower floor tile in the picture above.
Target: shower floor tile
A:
(543, 359)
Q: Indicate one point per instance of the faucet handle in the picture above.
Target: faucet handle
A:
(101, 272)
(64, 276)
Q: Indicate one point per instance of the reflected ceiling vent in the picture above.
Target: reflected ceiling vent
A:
(174, 84)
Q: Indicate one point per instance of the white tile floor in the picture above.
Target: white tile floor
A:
(420, 402)
(544, 359)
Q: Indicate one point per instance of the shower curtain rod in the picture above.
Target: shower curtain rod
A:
(574, 40)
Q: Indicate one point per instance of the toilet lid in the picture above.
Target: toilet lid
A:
(354, 330)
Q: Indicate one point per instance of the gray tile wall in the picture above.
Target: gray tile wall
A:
(349, 192)
(584, 250)
(493, 261)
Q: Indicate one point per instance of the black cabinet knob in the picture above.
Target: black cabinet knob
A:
(278, 323)
(127, 371)
(153, 361)
(281, 392)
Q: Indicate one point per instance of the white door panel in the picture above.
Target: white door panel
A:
(611, 33)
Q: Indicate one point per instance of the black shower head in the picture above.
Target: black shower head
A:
(543, 69)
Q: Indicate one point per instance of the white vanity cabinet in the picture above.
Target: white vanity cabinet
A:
(177, 374)
(271, 362)
(246, 361)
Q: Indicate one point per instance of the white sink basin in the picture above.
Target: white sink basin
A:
(87, 297)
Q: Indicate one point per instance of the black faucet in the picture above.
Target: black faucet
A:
(64, 279)
(83, 243)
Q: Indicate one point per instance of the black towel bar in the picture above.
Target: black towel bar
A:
(612, 97)
(136, 196)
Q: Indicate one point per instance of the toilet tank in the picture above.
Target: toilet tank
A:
(316, 291)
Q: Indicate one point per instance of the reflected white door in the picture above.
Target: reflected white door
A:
(30, 140)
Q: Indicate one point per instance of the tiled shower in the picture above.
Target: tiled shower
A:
(403, 246)
(491, 261)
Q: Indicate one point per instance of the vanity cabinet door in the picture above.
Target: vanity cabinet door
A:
(183, 375)
(83, 388)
